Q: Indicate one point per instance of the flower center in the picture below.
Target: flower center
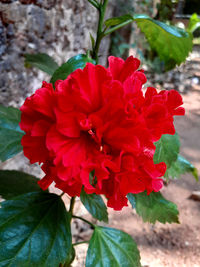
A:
(98, 141)
(91, 132)
(87, 127)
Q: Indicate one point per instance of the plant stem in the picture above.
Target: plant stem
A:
(72, 202)
(100, 35)
(94, 3)
(82, 242)
(86, 221)
(118, 27)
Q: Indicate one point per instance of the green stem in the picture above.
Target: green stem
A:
(72, 202)
(94, 3)
(118, 27)
(100, 34)
(86, 221)
(82, 242)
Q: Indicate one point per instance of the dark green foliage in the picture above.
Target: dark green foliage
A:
(95, 205)
(14, 183)
(155, 207)
(76, 62)
(181, 166)
(34, 231)
(118, 20)
(10, 132)
(41, 61)
(172, 44)
(166, 10)
(167, 149)
(131, 199)
(113, 248)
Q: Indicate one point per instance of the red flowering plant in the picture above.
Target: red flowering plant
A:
(95, 131)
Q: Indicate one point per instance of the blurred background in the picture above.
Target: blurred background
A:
(61, 28)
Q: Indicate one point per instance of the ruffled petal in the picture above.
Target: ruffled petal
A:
(121, 69)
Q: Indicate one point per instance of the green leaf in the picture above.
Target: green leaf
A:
(167, 149)
(95, 205)
(155, 207)
(76, 62)
(118, 20)
(113, 248)
(131, 199)
(34, 231)
(92, 41)
(172, 44)
(41, 61)
(70, 259)
(10, 132)
(194, 23)
(14, 183)
(181, 166)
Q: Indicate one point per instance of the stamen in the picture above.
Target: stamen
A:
(91, 132)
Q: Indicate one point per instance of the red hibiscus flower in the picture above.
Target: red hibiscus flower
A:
(97, 130)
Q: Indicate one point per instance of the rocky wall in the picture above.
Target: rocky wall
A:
(60, 28)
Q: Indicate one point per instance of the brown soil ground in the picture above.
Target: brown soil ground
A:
(169, 245)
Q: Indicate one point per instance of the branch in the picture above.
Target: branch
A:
(86, 221)
(82, 242)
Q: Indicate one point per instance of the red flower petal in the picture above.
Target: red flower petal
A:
(121, 69)
(34, 148)
(98, 120)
